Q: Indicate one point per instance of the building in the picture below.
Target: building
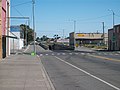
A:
(114, 38)
(88, 38)
(4, 24)
(63, 41)
(17, 38)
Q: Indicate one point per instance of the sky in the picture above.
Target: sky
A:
(55, 16)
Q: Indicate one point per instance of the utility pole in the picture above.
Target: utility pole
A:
(63, 36)
(113, 17)
(26, 34)
(74, 33)
(33, 2)
(74, 26)
(103, 33)
(63, 33)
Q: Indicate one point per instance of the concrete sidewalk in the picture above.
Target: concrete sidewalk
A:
(23, 72)
(84, 49)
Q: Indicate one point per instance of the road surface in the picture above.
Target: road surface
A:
(82, 70)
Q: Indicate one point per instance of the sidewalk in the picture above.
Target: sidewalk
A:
(84, 49)
(23, 72)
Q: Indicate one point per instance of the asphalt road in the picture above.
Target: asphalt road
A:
(82, 70)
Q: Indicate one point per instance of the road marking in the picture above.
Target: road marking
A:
(83, 53)
(53, 54)
(105, 53)
(76, 53)
(41, 54)
(105, 58)
(88, 53)
(113, 86)
(63, 53)
(111, 54)
(46, 54)
(58, 53)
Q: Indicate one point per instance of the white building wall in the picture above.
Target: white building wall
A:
(16, 44)
(21, 44)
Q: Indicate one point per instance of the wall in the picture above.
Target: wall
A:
(3, 17)
(15, 44)
(0, 29)
(114, 38)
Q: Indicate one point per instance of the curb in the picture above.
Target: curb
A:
(45, 74)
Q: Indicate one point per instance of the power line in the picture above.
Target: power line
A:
(21, 4)
(95, 18)
(18, 12)
(117, 15)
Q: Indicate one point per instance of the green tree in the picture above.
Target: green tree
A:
(27, 30)
(44, 38)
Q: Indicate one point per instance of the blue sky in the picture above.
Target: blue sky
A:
(52, 16)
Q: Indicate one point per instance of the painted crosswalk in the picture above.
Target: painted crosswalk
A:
(74, 53)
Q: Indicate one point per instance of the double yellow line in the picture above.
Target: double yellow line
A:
(105, 58)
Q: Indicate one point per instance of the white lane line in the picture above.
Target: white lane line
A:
(41, 54)
(76, 53)
(88, 53)
(105, 53)
(46, 54)
(53, 54)
(83, 53)
(63, 53)
(113, 86)
(58, 53)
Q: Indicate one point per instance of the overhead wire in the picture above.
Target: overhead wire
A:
(21, 4)
(117, 15)
(94, 18)
(14, 6)
(18, 12)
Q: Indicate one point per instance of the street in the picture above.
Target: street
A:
(82, 70)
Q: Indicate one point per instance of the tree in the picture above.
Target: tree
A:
(56, 36)
(38, 39)
(27, 30)
(44, 38)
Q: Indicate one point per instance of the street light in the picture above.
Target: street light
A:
(113, 16)
(74, 25)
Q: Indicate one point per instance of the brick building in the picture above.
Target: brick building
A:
(114, 38)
